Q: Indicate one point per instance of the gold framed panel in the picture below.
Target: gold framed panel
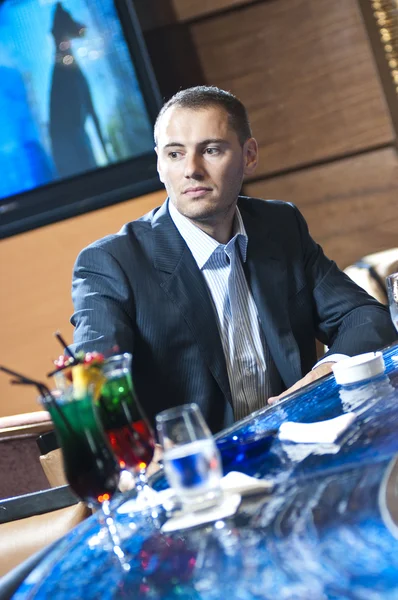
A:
(381, 22)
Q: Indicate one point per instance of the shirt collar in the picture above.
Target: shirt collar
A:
(202, 245)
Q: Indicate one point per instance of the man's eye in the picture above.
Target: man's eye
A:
(212, 151)
(174, 155)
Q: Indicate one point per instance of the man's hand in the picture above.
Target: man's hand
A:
(323, 369)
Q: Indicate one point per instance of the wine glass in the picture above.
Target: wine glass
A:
(191, 459)
(89, 464)
(126, 426)
(392, 292)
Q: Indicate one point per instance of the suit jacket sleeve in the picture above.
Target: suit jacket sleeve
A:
(104, 307)
(347, 319)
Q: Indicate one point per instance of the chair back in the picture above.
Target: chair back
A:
(20, 468)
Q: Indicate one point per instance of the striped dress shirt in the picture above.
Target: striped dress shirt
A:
(236, 313)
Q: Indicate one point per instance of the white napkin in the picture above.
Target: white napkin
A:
(239, 483)
(150, 499)
(234, 485)
(184, 520)
(323, 432)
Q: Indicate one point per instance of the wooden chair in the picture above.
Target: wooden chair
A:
(370, 272)
(20, 468)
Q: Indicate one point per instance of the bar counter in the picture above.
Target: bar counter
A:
(329, 529)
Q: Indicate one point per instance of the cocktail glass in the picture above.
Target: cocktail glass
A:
(126, 426)
(89, 464)
(191, 459)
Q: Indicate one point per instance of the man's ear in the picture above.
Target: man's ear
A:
(159, 169)
(250, 153)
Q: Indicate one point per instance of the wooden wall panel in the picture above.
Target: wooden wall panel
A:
(155, 14)
(35, 275)
(191, 9)
(305, 72)
(350, 205)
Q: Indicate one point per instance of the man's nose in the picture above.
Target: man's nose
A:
(193, 166)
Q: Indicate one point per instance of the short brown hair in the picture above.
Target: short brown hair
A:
(203, 96)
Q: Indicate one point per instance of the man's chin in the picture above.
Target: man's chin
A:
(203, 210)
(202, 216)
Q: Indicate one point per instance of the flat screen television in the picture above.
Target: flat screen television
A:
(78, 100)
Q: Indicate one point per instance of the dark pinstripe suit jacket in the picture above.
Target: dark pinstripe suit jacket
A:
(142, 291)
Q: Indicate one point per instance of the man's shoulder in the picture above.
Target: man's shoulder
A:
(261, 205)
(130, 233)
(271, 210)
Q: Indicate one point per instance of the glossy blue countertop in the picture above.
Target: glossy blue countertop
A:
(328, 531)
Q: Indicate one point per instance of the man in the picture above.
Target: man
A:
(218, 297)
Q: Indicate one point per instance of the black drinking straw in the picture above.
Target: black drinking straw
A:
(43, 391)
(65, 345)
(59, 369)
(21, 378)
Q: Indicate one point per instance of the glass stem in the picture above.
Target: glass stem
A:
(140, 480)
(146, 496)
(108, 522)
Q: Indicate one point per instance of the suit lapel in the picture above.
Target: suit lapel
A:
(266, 274)
(184, 284)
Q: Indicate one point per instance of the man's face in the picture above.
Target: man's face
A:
(201, 162)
